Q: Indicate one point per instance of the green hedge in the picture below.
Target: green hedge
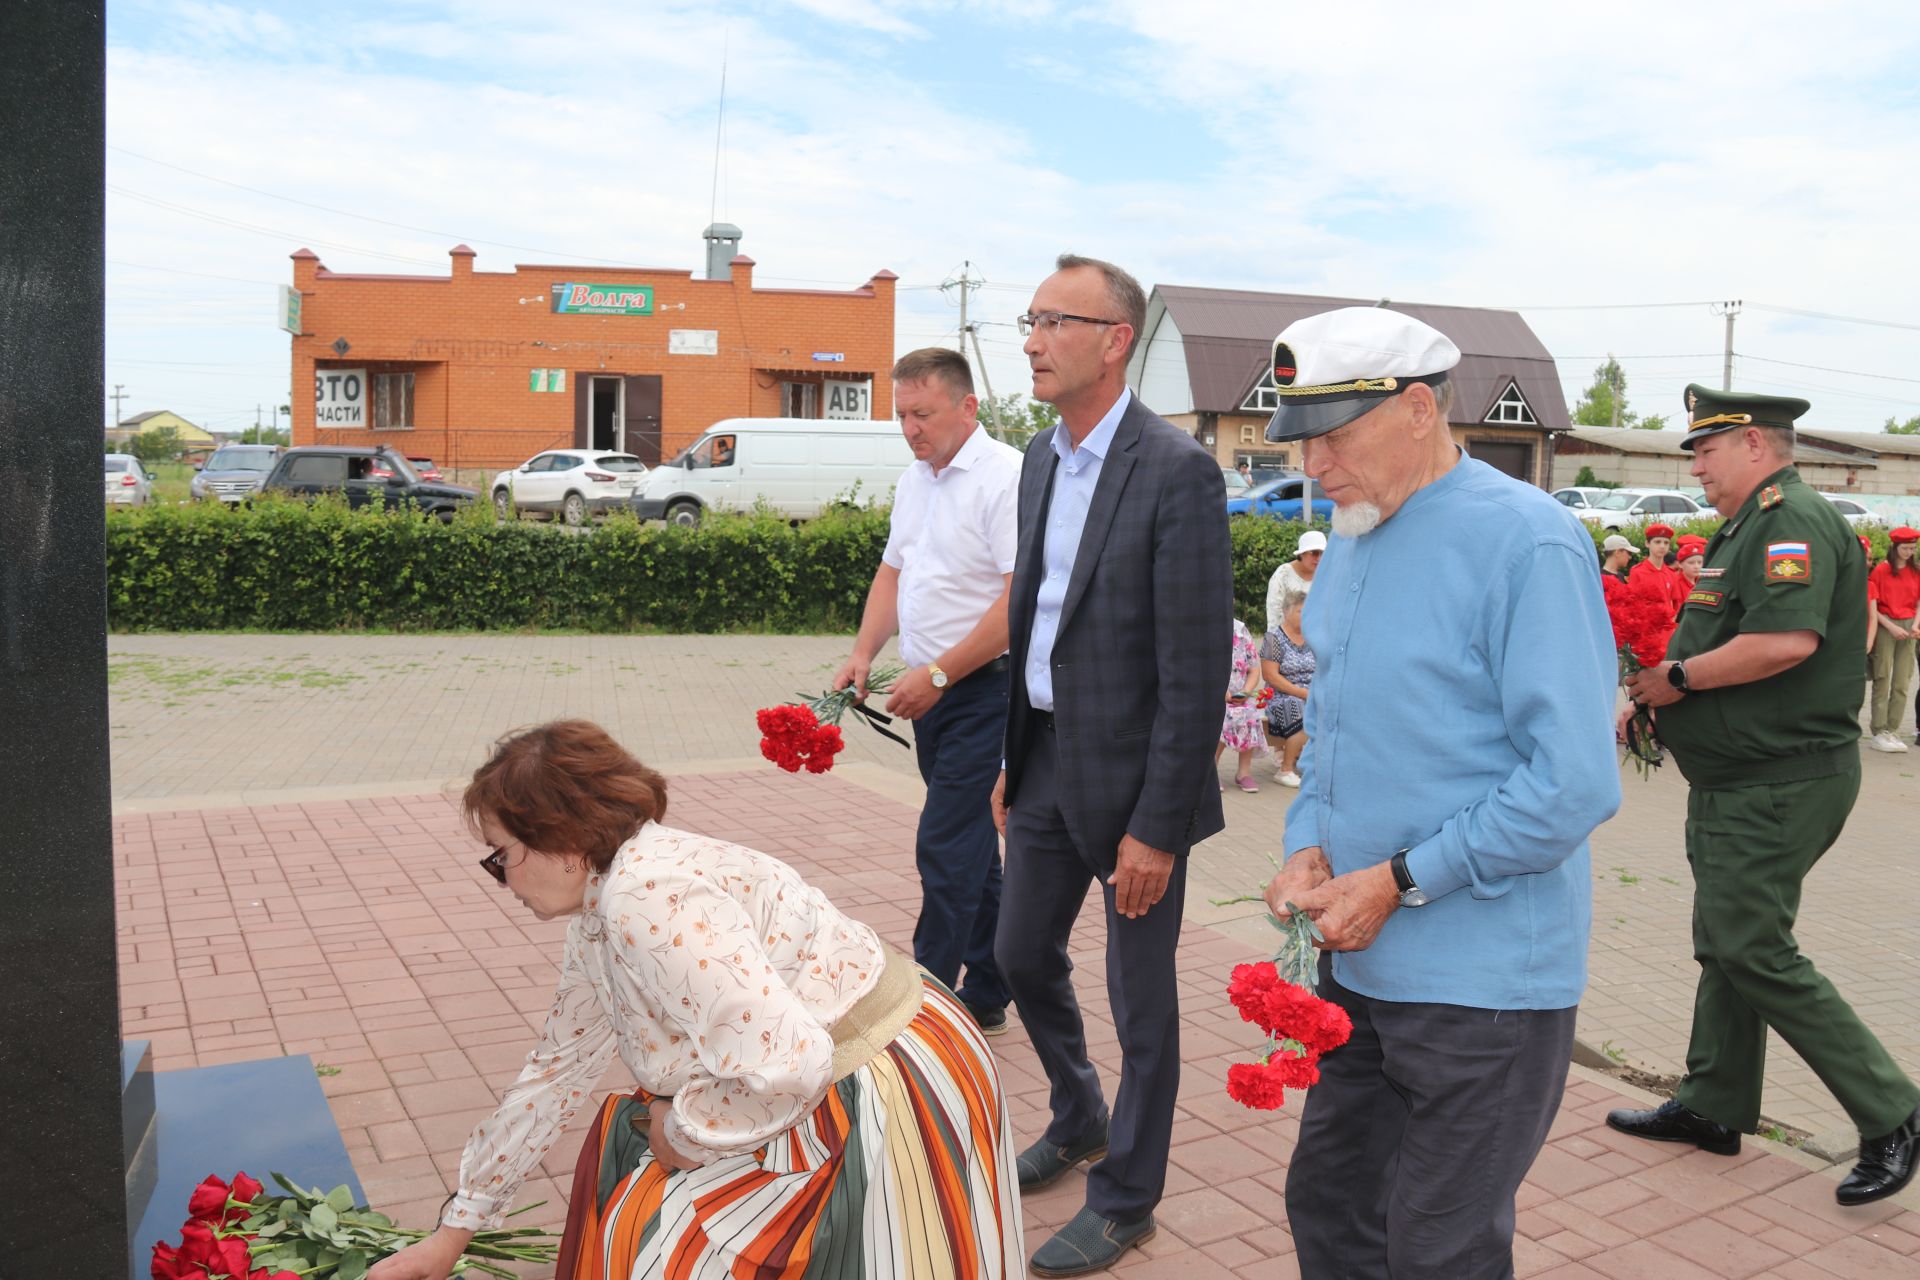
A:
(282, 566)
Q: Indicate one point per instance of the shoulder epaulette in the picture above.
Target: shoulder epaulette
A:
(1771, 497)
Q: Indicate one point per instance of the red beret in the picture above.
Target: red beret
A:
(1659, 531)
(1904, 534)
(1866, 544)
(1691, 545)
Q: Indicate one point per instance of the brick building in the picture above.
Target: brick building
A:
(480, 370)
(1204, 359)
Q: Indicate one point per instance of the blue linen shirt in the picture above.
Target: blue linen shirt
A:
(1462, 709)
(1074, 480)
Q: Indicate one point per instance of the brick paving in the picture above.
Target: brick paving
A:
(360, 931)
(203, 720)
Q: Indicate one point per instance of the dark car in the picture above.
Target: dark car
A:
(422, 467)
(1281, 500)
(369, 476)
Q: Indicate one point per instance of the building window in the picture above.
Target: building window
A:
(1265, 397)
(393, 402)
(799, 399)
(1512, 408)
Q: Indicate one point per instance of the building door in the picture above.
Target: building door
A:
(642, 418)
(1512, 457)
(604, 416)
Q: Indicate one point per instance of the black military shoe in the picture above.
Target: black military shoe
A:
(1671, 1122)
(1886, 1165)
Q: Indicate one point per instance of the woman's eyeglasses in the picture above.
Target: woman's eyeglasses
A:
(495, 865)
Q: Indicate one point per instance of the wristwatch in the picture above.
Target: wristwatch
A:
(1677, 677)
(1411, 894)
(939, 677)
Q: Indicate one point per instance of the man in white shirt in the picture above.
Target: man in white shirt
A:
(942, 585)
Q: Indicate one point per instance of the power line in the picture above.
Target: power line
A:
(275, 232)
(1828, 315)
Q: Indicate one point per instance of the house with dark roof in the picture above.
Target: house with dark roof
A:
(1204, 355)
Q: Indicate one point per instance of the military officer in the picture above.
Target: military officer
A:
(1758, 702)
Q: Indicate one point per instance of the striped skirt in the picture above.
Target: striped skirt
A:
(904, 1171)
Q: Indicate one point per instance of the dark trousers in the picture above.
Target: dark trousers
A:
(1047, 879)
(958, 745)
(1750, 848)
(1418, 1135)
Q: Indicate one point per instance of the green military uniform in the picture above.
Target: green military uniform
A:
(1775, 768)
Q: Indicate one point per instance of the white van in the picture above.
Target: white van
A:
(798, 465)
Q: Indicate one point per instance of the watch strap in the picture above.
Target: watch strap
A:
(1402, 878)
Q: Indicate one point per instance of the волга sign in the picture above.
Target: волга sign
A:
(571, 299)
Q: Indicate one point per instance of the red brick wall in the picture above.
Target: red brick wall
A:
(471, 340)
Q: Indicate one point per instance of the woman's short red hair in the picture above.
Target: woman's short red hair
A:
(566, 788)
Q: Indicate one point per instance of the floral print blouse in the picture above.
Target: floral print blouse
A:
(715, 972)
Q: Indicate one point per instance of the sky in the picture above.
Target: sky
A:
(1609, 172)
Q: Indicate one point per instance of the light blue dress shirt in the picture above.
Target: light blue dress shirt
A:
(1462, 709)
(1074, 481)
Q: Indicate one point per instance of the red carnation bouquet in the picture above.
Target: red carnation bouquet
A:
(243, 1232)
(1264, 698)
(1642, 625)
(1301, 1027)
(806, 734)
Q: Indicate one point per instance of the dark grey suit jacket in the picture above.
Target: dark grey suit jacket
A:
(1144, 651)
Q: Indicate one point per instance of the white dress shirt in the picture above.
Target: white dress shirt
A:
(953, 539)
(1074, 480)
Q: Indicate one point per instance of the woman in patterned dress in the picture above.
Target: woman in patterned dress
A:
(1241, 729)
(1286, 663)
(811, 1103)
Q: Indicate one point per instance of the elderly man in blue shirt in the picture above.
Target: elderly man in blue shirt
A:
(1460, 753)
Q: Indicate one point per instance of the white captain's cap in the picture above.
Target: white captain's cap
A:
(1336, 366)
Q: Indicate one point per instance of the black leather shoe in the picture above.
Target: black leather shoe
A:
(1089, 1243)
(1671, 1122)
(1043, 1163)
(1886, 1165)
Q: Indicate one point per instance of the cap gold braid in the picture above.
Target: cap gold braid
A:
(1744, 419)
(1331, 388)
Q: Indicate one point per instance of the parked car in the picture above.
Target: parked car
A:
(308, 471)
(570, 484)
(233, 472)
(1281, 500)
(1237, 485)
(127, 481)
(1580, 497)
(1857, 515)
(1623, 507)
(422, 467)
(797, 466)
(1267, 475)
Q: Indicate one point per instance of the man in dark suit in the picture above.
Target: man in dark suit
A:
(1121, 631)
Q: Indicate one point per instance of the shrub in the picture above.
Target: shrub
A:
(287, 566)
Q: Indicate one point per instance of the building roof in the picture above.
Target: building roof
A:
(1871, 442)
(1808, 447)
(1228, 337)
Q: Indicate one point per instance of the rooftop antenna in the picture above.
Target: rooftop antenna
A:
(719, 125)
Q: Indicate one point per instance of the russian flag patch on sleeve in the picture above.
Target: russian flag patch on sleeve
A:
(1788, 562)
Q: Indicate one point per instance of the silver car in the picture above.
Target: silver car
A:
(234, 472)
(128, 484)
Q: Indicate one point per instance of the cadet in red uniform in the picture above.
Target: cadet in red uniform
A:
(1654, 576)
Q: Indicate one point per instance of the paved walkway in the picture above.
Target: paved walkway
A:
(360, 931)
(238, 718)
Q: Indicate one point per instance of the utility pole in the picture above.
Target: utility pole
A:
(966, 282)
(1613, 385)
(1729, 310)
(119, 394)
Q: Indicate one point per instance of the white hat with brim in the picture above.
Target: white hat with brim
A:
(1614, 542)
(1311, 540)
(1334, 367)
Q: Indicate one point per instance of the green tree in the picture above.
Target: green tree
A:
(162, 444)
(1911, 427)
(265, 435)
(1595, 406)
(1020, 418)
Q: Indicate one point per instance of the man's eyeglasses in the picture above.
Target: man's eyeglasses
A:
(1050, 321)
(495, 865)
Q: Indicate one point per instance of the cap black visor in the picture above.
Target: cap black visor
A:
(1305, 421)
